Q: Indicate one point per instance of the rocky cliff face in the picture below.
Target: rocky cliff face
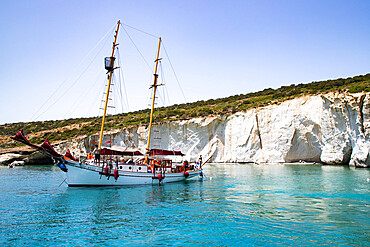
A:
(331, 129)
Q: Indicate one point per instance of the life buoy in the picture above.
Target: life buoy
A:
(186, 174)
(151, 169)
(185, 165)
(115, 174)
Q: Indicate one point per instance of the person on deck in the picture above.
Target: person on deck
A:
(97, 154)
(200, 160)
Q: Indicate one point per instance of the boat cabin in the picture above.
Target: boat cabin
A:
(157, 165)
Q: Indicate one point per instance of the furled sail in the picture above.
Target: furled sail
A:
(21, 138)
(45, 147)
(165, 152)
(116, 150)
(69, 155)
(50, 150)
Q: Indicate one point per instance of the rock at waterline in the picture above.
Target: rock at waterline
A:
(25, 159)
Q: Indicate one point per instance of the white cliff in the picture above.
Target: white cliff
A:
(331, 128)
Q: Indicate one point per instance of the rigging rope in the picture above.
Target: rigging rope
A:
(122, 78)
(123, 24)
(164, 48)
(173, 70)
(73, 84)
(77, 67)
(101, 89)
(162, 82)
(86, 92)
(146, 62)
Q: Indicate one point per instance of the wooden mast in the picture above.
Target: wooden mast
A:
(154, 86)
(108, 87)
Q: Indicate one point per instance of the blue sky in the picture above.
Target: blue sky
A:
(218, 49)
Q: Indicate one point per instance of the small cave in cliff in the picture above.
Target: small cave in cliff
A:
(303, 147)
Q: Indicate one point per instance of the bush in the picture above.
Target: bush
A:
(359, 88)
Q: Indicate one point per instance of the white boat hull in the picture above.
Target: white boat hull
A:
(79, 175)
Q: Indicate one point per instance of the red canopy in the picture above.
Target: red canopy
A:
(112, 151)
(164, 152)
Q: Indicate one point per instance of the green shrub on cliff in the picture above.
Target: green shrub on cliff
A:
(359, 89)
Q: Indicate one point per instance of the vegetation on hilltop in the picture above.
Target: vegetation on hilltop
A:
(71, 128)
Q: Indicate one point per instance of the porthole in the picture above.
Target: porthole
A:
(139, 168)
(120, 167)
(129, 167)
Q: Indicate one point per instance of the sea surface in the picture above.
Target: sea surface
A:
(233, 205)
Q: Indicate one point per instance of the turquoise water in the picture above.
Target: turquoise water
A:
(234, 205)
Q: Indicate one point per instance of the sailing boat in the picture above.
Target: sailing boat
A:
(113, 170)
